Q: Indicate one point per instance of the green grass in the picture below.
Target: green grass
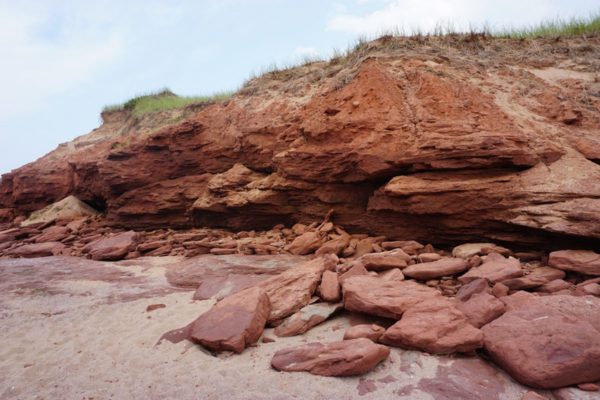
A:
(558, 27)
(162, 100)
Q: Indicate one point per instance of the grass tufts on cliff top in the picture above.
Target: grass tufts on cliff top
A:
(163, 99)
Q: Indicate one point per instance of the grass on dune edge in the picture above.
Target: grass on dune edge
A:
(165, 99)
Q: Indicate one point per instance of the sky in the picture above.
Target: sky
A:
(61, 61)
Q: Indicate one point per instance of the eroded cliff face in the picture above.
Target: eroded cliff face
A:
(438, 142)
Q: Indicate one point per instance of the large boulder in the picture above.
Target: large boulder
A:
(344, 358)
(436, 269)
(113, 248)
(304, 244)
(436, 327)
(69, 208)
(234, 323)
(306, 318)
(293, 289)
(544, 345)
(495, 268)
(583, 261)
(390, 299)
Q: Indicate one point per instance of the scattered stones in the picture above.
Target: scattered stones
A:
(436, 269)
(436, 327)
(305, 244)
(390, 299)
(344, 358)
(494, 269)
(306, 318)
(469, 250)
(234, 323)
(372, 332)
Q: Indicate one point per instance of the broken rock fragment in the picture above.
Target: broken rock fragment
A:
(306, 318)
(234, 323)
(343, 358)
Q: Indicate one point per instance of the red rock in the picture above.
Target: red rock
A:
(330, 287)
(582, 261)
(410, 247)
(553, 287)
(436, 269)
(234, 323)
(525, 282)
(428, 257)
(392, 275)
(153, 307)
(371, 332)
(45, 249)
(592, 289)
(53, 234)
(542, 347)
(363, 247)
(500, 290)
(151, 245)
(588, 387)
(335, 246)
(380, 261)
(220, 252)
(161, 251)
(305, 244)
(6, 238)
(472, 289)
(344, 358)
(221, 276)
(436, 327)
(357, 270)
(481, 309)
(306, 318)
(469, 250)
(113, 248)
(375, 296)
(293, 289)
(571, 393)
(494, 269)
(548, 273)
(532, 396)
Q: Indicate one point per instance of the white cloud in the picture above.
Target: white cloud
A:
(39, 60)
(425, 14)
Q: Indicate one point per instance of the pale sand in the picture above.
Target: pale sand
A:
(82, 347)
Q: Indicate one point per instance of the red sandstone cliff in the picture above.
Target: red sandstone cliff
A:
(438, 140)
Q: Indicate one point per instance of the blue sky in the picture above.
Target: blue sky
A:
(63, 60)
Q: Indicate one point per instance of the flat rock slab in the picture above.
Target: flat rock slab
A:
(390, 299)
(53, 234)
(114, 248)
(306, 318)
(235, 322)
(344, 358)
(542, 347)
(469, 250)
(583, 261)
(293, 289)
(221, 276)
(436, 269)
(494, 269)
(436, 327)
(36, 250)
